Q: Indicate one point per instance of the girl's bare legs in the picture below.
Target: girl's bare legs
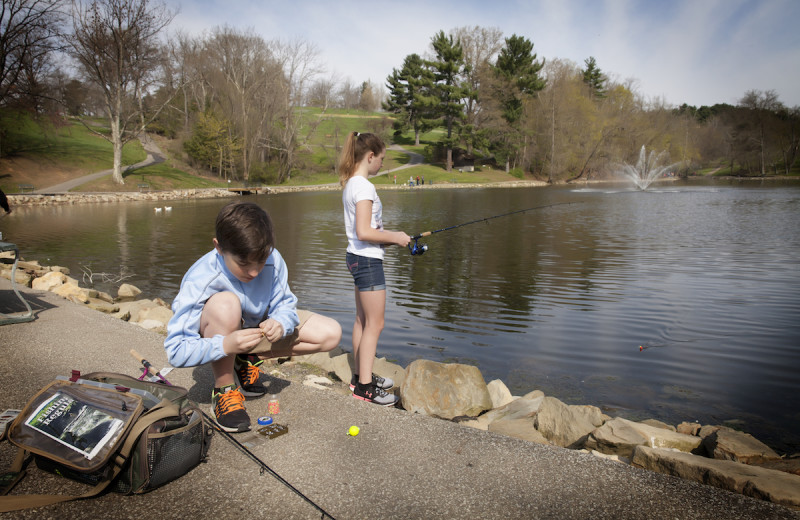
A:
(370, 307)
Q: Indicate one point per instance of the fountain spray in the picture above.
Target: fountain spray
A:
(647, 168)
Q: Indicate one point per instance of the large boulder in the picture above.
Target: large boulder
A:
(565, 425)
(20, 276)
(102, 306)
(525, 408)
(765, 484)
(72, 291)
(620, 437)
(128, 292)
(519, 429)
(133, 310)
(444, 390)
(323, 360)
(342, 366)
(728, 444)
(499, 393)
(393, 371)
(156, 313)
(49, 281)
(517, 418)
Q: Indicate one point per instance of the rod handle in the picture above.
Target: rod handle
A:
(144, 362)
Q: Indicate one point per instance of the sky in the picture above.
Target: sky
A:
(699, 52)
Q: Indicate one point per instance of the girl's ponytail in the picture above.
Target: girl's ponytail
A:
(347, 163)
(356, 146)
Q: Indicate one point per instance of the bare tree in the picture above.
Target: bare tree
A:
(28, 35)
(321, 93)
(115, 43)
(28, 39)
(480, 45)
(763, 106)
(241, 72)
(299, 62)
(349, 94)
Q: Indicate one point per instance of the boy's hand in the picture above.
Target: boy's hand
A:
(271, 329)
(241, 341)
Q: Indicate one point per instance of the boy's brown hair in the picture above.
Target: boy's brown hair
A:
(244, 230)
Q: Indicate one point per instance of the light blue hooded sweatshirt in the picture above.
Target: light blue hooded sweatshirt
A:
(266, 296)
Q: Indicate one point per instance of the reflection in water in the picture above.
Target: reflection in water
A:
(704, 279)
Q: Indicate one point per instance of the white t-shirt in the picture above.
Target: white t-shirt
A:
(357, 189)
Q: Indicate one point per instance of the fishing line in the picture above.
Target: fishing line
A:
(418, 249)
(151, 370)
(263, 465)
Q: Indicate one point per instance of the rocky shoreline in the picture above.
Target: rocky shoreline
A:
(710, 454)
(69, 198)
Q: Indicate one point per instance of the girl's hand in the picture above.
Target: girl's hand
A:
(402, 239)
(241, 341)
(271, 329)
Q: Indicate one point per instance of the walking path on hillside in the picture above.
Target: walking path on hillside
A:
(154, 156)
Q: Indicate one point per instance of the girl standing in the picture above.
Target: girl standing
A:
(361, 158)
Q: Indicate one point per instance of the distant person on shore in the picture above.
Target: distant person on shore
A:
(234, 309)
(362, 157)
(4, 202)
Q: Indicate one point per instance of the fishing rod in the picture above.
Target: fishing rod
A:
(264, 468)
(149, 369)
(418, 249)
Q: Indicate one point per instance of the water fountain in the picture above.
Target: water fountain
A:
(647, 168)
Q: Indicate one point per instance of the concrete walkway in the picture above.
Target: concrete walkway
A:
(401, 465)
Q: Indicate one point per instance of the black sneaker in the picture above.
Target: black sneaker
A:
(229, 412)
(374, 394)
(381, 382)
(246, 372)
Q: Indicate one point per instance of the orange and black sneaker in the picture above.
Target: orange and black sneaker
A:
(229, 412)
(245, 369)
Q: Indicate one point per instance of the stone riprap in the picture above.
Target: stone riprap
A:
(56, 199)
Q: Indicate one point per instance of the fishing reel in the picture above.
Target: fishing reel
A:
(417, 249)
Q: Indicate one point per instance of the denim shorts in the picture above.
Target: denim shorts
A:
(367, 272)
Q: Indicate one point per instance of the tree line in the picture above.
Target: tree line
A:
(236, 101)
(561, 121)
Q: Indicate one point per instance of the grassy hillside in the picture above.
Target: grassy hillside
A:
(44, 155)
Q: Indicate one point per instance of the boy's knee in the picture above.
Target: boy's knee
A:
(331, 333)
(222, 311)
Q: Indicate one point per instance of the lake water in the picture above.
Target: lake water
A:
(681, 303)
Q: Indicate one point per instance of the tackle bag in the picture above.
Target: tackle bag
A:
(108, 430)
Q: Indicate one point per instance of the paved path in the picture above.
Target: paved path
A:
(154, 156)
(401, 465)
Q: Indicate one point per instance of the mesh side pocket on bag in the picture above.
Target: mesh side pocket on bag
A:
(175, 453)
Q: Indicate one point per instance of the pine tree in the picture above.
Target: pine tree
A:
(517, 79)
(411, 96)
(448, 67)
(594, 78)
